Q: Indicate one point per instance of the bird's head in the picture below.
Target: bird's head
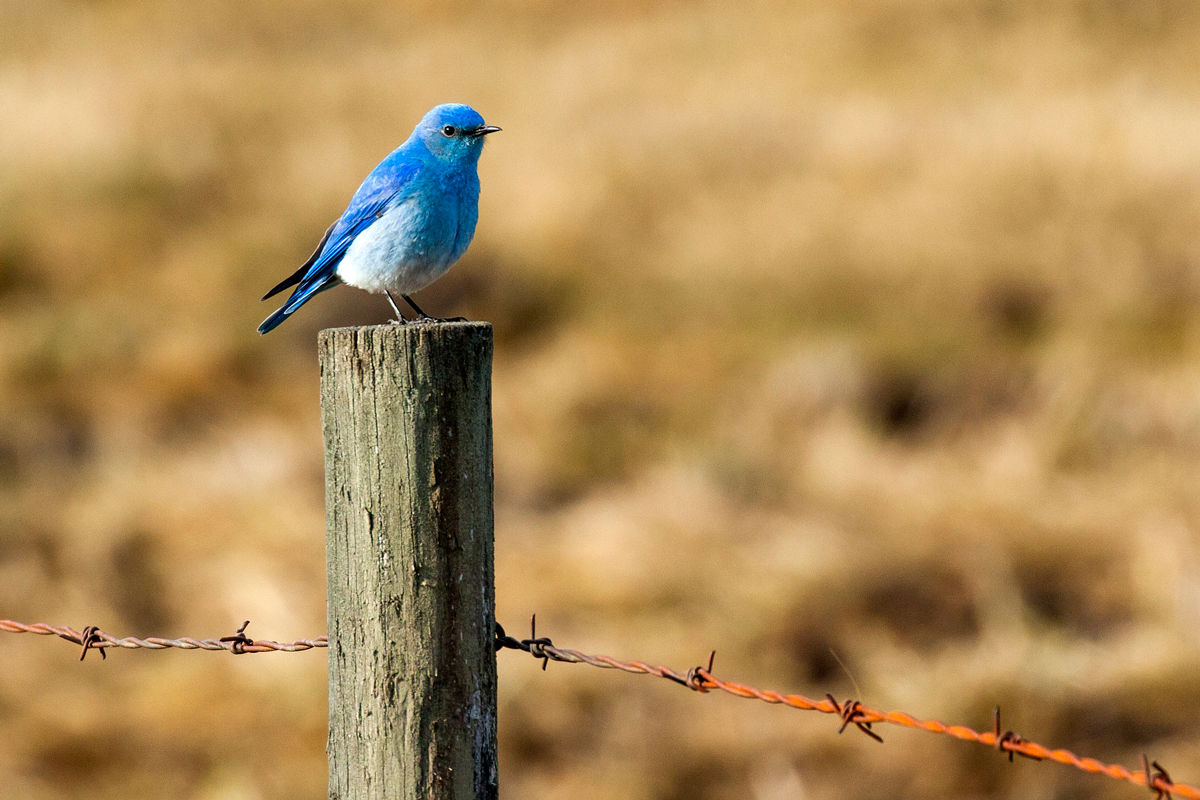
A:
(454, 133)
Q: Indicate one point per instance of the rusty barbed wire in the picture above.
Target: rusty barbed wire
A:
(852, 712)
(698, 679)
(92, 637)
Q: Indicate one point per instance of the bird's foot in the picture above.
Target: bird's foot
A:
(429, 319)
(425, 317)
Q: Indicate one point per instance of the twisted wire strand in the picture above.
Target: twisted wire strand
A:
(701, 679)
(698, 679)
(99, 639)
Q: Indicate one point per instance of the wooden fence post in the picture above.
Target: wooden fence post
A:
(406, 411)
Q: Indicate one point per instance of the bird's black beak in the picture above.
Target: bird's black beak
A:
(484, 130)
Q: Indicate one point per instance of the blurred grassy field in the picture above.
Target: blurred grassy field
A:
(853, 325)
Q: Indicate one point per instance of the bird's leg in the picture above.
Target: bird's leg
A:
(415, 307)
(425, 316)
(399, 320)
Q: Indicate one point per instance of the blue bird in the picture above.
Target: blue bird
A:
(409, 221)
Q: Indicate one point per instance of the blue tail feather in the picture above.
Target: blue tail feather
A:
(304, 292)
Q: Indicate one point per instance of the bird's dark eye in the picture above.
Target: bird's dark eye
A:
(449, 130)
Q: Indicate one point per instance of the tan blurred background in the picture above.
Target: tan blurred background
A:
(844, 326)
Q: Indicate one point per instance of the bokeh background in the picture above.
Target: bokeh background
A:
(846, 330)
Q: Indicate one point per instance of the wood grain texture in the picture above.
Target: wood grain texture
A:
(408, 493)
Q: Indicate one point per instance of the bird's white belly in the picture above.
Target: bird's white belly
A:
(401, 252)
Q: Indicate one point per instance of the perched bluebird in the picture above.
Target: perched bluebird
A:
(411, 219)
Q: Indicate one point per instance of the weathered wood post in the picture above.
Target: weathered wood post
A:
(408, 495)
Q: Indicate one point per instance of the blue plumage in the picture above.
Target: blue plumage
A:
(410, 220)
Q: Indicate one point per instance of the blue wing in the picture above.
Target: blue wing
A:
(320, 271)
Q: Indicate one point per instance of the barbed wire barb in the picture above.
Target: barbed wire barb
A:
(239, 640)
(1007, 738)
(851, 712)
(90, 637)
(1159, 780)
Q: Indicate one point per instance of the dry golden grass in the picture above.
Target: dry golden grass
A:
(857, 325)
